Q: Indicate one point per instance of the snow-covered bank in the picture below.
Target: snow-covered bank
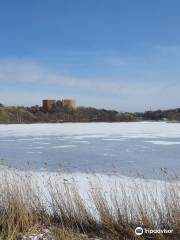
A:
(127, 130)
(100, 203)
(109, 185)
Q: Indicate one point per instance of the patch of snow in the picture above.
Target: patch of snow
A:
(8, 140)
(163, 142)
(113, 139)
(65, 146)
(45, 235)
(45, 143)
(83, 141)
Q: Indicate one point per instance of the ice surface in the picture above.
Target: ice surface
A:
(127, 148)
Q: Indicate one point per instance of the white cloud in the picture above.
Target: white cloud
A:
(27, 71)
(21, 71)
(120, 94)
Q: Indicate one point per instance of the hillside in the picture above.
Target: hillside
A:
(36, 114)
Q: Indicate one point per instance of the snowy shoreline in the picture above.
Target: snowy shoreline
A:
(84, 183)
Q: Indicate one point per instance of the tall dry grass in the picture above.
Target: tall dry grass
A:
(23, 209)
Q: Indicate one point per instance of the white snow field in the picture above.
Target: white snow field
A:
(127, 130)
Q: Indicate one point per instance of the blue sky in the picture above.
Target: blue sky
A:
(120, 54)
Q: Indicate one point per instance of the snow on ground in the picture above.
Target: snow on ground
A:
(119, 185)
(128, 130)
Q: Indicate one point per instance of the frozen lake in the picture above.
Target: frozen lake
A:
(129, 149)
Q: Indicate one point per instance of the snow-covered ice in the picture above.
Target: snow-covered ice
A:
(130, 130)
(125, 148)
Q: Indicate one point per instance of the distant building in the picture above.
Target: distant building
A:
(48, 105)
(69, 103)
